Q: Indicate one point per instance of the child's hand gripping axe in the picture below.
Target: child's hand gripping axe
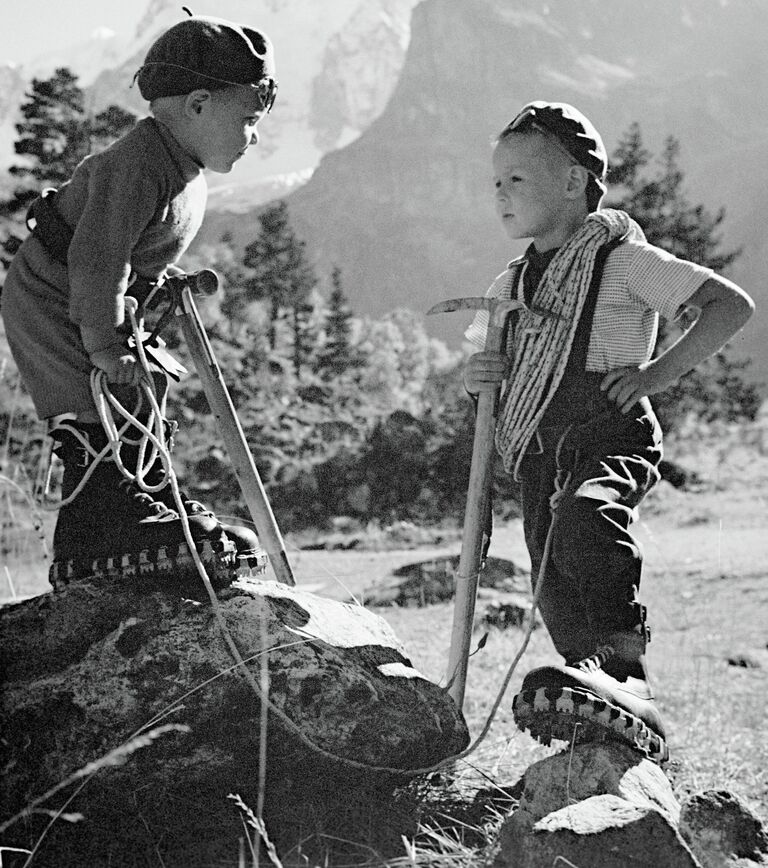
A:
(470, 564)
(206, 282)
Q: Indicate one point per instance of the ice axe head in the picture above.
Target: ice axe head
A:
(498, 308)
(204, 282)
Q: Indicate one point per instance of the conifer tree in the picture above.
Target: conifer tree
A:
(338, 355)
(303, 327)
(107, 126)
(659, 204)
(715, 389)
(55, 134)
(279, 273)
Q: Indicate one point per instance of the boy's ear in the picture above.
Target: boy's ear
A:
(578, 178)
(196, 101)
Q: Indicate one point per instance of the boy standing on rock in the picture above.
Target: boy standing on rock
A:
(575, 423)
(123, 219)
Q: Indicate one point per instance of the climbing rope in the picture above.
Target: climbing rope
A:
(541, 354)
(152, 433)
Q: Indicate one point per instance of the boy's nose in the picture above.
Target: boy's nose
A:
(254, 138)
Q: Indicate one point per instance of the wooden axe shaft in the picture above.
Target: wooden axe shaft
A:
(234, 438)
(468, 574)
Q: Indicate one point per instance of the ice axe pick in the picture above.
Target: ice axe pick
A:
(468, 574)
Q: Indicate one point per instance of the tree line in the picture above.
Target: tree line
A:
(345, 414)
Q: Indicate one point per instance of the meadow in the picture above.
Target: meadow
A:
(705, 585)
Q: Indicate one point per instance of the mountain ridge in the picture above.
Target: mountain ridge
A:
(406, 210)
(380, 139)
(311, 51)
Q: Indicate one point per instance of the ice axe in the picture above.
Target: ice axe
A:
(206, 282)
(478, 491)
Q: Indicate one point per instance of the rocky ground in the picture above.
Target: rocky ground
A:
(705, 585)
(707, 594)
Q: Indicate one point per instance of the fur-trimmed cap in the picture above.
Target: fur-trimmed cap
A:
(210, 53)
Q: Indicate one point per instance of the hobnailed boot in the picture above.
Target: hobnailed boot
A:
(250, 555)
(605, 695)
(113, 528)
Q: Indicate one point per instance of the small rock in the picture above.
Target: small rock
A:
(745, 661)
(605, 832)
(504, 610)
(598, 805)
(433, 581)
(718, 826)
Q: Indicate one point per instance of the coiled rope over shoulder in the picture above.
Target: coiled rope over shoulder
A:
(543, 344)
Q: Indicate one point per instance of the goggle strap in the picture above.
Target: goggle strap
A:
(266, 88)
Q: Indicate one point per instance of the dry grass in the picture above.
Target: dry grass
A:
(705, 588)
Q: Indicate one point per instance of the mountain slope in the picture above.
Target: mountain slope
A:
(406, 210)
(336, 72)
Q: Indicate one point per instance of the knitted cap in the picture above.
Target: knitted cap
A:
(574, 132)
(211, 53)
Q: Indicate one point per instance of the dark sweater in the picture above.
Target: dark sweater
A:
(134, 207)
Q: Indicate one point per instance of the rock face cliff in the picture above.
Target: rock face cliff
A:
(336, 72)
(406, 210)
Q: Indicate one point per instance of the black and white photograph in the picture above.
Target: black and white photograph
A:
(383, 434)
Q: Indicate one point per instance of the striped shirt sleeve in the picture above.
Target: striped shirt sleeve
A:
(640, 282)
(662, 281)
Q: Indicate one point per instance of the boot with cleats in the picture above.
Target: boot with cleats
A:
(113, 528)
(604, 696)
(251, 557)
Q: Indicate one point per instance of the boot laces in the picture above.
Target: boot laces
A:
(147, 503)
(194, 507)
(597, 660)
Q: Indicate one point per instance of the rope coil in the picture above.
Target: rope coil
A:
(151, 440)
(548, 329)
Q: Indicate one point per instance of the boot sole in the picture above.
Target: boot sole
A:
(565, 714)
(174, 562)
(252, 564)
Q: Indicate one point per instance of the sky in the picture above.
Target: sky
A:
(32, 27)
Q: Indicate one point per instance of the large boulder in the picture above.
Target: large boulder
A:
(91, 666)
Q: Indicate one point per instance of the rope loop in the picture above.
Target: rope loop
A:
(119, 423)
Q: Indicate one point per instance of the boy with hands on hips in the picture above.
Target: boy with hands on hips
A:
(575, 425)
